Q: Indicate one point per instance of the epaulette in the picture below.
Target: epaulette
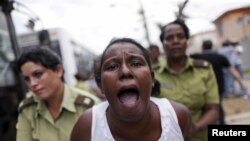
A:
(201, 63)
(85, 101)
(26, 102)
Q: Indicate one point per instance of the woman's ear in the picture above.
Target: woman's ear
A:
(100, 86)
(188, 43)
(153, 76)
(59, 70)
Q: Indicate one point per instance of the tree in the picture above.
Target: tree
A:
(181, 7)
(179, 13)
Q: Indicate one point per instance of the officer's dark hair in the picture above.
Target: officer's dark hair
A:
(179, 22)
(122, 40)
(152, 46)
(39, 55)
(226, 43)
(79, 77)
(207, 45)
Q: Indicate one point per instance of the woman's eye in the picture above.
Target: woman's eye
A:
(37, 74)
(27, 79)
(181, 36)
(136, 64)
(169, 38)
(112, 66)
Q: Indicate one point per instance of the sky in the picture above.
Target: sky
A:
(95, 22)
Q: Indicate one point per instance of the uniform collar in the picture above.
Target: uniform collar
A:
(67, 103)
(68, 99)
(165, 66)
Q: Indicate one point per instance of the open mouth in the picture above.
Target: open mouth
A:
(128, 97)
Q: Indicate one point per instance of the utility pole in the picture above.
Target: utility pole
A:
(7, 7)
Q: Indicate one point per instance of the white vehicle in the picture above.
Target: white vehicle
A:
(75, 57)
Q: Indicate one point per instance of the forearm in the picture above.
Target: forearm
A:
(237, 77)
(210, 116)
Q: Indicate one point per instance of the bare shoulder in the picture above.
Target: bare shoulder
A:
(179, 108)
(184, 117)
(82, 128)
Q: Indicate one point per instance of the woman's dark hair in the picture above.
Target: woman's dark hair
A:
(207, 45)
(156, 90)
(121, 40)
(179, 22)
(39, 55)
(96, 67)
(152, 46)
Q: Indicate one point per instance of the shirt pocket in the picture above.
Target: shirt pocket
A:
(167, 90)
(195, 94)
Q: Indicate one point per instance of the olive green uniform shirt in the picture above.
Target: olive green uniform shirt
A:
(194, 87)
(35, 122)
(159, 63)
(83, 85)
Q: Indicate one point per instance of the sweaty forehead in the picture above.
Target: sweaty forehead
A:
(122, 49)
(173, 28)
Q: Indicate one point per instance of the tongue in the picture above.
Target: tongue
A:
(128, 99)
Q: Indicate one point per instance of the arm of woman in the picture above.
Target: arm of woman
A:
(184, 118)
(82, 129)
(210, 116)
(210, 110)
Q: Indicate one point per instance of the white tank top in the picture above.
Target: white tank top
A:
(169, 123)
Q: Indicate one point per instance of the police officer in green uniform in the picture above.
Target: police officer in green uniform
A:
(51, 108)
(188, 81)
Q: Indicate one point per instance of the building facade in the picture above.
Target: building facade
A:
(234, 24)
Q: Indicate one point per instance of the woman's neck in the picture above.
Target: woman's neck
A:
(177, 64)
(54, 103)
